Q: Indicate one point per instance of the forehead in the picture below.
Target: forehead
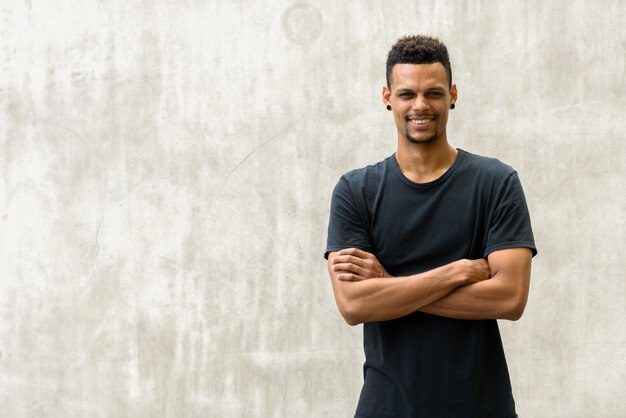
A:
(419, 75)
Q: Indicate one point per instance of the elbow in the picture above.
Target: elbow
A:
(513, 315)
(515, 309)
(352, 321)
(350, 312)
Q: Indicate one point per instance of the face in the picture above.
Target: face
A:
(420, 100)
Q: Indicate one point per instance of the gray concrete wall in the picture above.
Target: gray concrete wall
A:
(166, 171)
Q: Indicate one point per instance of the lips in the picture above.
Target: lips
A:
(420, 120)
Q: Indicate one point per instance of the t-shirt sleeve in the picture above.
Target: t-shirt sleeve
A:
(510, 225)
(346, 225)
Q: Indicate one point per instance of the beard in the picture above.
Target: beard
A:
(414, 140)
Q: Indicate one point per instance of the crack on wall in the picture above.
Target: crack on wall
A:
(246, 157)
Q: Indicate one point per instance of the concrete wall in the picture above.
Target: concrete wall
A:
(166, 171)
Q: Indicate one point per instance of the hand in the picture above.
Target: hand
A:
(353, 264)
(473, 270)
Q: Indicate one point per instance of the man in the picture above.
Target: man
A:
(428, 248)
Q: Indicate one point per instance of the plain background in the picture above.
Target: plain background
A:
(166, 170)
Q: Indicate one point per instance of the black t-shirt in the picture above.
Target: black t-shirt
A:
(422, 364)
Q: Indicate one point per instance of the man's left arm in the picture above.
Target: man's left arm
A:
(503, 296)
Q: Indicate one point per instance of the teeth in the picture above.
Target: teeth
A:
(418, 119)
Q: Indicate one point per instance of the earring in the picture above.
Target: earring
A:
(452, 106)
(388, 107)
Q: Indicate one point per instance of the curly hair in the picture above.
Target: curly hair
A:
(418, 49)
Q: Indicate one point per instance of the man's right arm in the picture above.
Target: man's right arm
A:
(385, 298)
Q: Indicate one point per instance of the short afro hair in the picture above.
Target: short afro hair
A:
(418, 49)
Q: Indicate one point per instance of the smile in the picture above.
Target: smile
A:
(420, 120)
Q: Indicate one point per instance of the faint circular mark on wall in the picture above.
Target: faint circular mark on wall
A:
(302, 23)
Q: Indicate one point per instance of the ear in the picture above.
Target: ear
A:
(453, 93)
(386, 94)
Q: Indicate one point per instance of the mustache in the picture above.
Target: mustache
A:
(420, 115)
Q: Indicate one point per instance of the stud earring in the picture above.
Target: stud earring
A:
(452, 106)
(388, 107)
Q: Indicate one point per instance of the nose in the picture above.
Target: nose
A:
(420, 103)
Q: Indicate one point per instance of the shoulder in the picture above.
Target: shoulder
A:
(486, 164)
(485, 167)
(364, 177)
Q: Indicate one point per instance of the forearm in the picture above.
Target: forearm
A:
(484, 300)
(382, 299)
(503, 296)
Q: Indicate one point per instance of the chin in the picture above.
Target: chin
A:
(414, 140)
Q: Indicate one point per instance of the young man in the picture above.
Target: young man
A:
(428, 248)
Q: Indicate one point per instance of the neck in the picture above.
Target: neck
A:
(423, 163)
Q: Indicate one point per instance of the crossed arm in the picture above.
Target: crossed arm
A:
(496, 288)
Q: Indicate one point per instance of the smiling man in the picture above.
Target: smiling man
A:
(427, 249)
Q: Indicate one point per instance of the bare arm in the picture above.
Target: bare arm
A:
(504, 296)
(363, 297)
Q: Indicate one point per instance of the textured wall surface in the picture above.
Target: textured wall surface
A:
(166, 169)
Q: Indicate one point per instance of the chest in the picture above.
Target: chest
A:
(413, 231)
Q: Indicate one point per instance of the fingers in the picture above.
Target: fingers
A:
(352, 264)
(349, 263)
(344, 259)
(484, 266)
(348, 267)
(349, 277)
(475, 270)
(355, 252)
(355, 256)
